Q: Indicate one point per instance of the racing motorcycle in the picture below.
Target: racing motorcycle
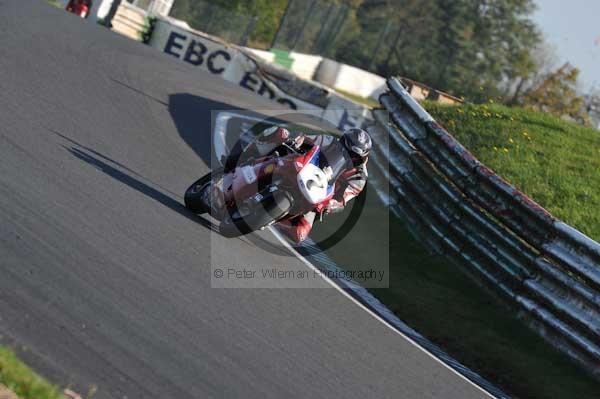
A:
(288, 182)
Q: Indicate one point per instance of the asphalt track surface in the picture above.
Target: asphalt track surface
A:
(105, 277)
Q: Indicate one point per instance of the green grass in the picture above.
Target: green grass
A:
(555, 162)
(437, 299)
(54, 3)
(23, 381)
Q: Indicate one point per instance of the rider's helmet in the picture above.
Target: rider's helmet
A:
(274, 134)
(358, 143)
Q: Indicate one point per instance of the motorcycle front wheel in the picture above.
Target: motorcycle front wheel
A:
(269, 210)
(195, 196)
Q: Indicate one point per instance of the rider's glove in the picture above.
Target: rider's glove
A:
(295, 142)
(328, 173)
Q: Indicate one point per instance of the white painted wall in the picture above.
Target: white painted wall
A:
(161, 7)
(101, 9)
(262, 54)
(332, 73)
(305, 65)
(96, 5)
(359, 82)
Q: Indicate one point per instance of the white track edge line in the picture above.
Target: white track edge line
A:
(369, 311)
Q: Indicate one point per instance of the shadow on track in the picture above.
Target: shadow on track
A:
(194, 119)
(136, 184)
(103, 163)
(96, 161)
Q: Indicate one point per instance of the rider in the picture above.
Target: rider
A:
(347, 158)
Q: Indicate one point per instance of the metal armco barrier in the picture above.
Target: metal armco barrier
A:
(460, 208)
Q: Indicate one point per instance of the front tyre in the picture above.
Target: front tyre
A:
(196, 195)
(271, 209)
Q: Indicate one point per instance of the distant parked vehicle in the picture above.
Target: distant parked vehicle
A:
(80, 7)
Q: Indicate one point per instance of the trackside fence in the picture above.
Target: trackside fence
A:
(461, 209)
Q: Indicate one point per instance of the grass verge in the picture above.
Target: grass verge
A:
(555, 162)
(433, 296)
(54, 3)
(23, 381)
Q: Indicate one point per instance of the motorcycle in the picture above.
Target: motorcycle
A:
(289, 182)
(79, 7)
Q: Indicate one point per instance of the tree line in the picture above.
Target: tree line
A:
(474, 49)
